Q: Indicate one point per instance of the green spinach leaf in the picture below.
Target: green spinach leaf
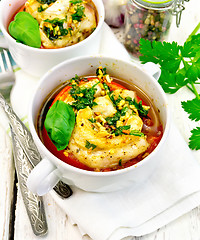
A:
(59, 123)
(25, 29)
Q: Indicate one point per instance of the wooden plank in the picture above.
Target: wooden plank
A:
(59, 227)
(6, 184)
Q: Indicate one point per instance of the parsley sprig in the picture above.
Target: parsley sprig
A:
(180, 67)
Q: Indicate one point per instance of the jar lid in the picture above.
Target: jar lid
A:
(156, 3)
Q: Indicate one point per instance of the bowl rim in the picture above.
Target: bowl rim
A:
(68, 167)
(54, 50)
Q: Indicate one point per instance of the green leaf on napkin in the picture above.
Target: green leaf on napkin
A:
(25, 29)
(59, 123)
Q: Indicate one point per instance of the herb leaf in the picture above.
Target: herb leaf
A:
(113, 120)
(101, 71)
(165, 54)
(25, 29)
(59, 123)
(89, 145)
(119, 131)
(137, 133)
(92, 120)
(75, 1)
(170, 82)
(192, 107)
(195, 42)
(195, 139)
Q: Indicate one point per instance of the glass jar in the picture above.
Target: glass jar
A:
(148, 19)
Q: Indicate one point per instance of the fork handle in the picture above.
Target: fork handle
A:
(33, 203)
(27, 143)
(22, 133)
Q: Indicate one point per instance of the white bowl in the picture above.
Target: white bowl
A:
(88, 180)
(37, 61)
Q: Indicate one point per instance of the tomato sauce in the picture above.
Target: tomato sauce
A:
(152, 126)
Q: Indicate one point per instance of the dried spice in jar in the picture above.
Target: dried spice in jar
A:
(146, 19)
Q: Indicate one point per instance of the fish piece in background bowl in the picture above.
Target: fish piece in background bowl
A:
(63, 22)
(63, 30)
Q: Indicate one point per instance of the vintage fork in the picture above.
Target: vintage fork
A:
(7, 80)
(33, 203)
(26, 154)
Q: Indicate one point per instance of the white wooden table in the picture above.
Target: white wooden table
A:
(14, 223)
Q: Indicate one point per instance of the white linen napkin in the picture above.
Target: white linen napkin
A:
(171, 191)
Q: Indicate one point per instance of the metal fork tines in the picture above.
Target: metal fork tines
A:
(7, 77)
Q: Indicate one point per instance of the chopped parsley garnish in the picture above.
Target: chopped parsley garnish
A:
(112, 96)
(92, 120)
(115, 101)
(56, 30)
(46, 1)
(113, 120)
(180, 67)
(136, 133)
(75, 79)
(120, 162)
(124, 110)
(119, 131)
(138, 105)
(89, 145)
(41, 8)
(75, 1)
(79, 14)
(70, 31)
(83, 96)
(126, 130)
(100, 71)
